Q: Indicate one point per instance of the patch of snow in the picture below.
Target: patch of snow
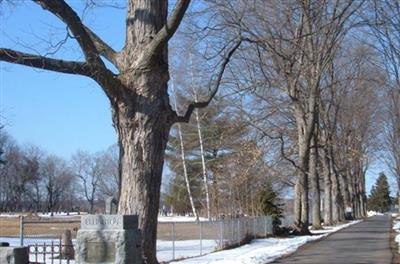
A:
(61, 215)
(397, 239)
(395, 215)
(44, 215)
(11, 215)
(262, 250)
(184, 249)
(258, 251)
(331, 229)
(396, 226)
(372, 213)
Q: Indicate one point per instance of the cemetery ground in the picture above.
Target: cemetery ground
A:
(372, 230)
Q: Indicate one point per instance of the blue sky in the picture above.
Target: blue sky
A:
(58, 112)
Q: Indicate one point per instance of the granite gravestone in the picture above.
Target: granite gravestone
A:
(111, 205)
(108, 239)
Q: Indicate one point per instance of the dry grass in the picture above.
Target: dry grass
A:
(38, 227)
(55, 227)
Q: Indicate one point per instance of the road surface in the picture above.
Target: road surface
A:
(363, 243)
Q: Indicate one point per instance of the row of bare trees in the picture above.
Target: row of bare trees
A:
(37, 182)
(386, 33)
(310, 89)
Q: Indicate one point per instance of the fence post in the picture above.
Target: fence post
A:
(60, 250)
(201, 238)
(173, 240)
(36, 253)
(21, 230)
(221, 232)
(52, 252)
(44, 252)
(254, 227)
(265, 225)
(238, 231)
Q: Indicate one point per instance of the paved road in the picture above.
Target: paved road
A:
(363, 243)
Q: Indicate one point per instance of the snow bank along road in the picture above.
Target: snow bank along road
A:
(366, 242)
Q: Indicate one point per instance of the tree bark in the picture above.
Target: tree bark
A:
(142, 162)
(301, 205)
(327, 189)
(337, 201)
(142, 117)
(314, 177)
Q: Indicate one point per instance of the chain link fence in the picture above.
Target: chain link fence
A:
(187, 239)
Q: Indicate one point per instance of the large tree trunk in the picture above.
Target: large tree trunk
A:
(327, 189)
(314, 178)
(301, 205)
(142, 121)
(337, 201)
(344, 185)
(143, 117)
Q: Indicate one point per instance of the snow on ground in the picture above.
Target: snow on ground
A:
(372, 213)
(44, 215)
(184, 249)
(396, 227)
(261, 250)
(331, 229)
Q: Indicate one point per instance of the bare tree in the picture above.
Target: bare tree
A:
(297, 40)
(109, 182)
(384, 24)
(33, 162)
(88, 169)
(57, 178)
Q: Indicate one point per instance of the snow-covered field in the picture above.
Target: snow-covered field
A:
(262, 250)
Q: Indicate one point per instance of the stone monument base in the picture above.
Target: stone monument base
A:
(108, 239)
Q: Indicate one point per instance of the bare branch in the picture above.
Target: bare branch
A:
(103, 48)
(213, 89)
(169, 29)
(63, 11)
(40, 62)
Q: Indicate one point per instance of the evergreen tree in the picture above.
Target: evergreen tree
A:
(268, 204)
(379, 199)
